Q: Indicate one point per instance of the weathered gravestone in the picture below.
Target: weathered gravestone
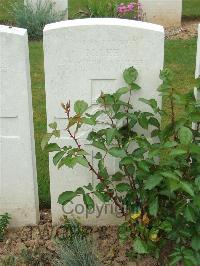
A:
(18, 185)
(197, 72)
(83, 58)
(59, 5)
(163, 12)
(198, 55)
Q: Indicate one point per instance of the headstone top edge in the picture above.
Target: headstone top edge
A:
(104, 22)
(12, 30)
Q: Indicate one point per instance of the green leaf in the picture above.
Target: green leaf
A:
(58, 157)
(140, 246)
(197, 182)
(89, 187)
(99, 145)
(135, 87)
(170, 175)
(196, 242)
(89, 203)
(126, 160)
(143, 121)
(110, 135)
(122, 187)
(151, 102)
(154, 122)
(123, 90)
(166, 226)
(117, 152)
(98, 156)
(130, 75)
(153, 207)
(170, 144)
(68, 161)
(117, 176)
(52, 147)
(82, 161)
(102, 196)
(195, 116)
(187, 188)
(189, 214)
(45, 140)
(185, 135)
(143, 165)
(53, 125)
(66, 197)
(152, 181)
(80, 107)
(89, 121)
(177, 152)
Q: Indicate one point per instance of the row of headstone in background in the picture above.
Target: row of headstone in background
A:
(18, 178)
(83, 58)
(163, 12)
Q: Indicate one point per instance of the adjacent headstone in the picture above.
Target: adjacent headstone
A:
(83, 58)
(197, 74)
(59, 5)
(18, 179)
(164, 12)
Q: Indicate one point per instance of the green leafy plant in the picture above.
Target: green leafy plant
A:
(99, 9)
(4, 222)
(35, 17)
(157, 185)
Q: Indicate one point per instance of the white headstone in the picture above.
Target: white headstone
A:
(198, 55)
(197, 72)
(18, 179)
(60, 5)
(164, 12)
(83, 58)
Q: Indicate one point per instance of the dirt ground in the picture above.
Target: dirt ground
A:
(187, 30)
(40, 240)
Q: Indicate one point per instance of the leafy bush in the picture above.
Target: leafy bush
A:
(157, 185)
(4, 222)
(76, 249)
(34, 18)
(111, 8)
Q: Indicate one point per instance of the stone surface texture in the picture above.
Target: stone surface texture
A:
(83, 58)
(18, 185)
(163, 12)
(198, 55)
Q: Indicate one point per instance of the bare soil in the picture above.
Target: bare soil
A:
(187, 30)
(40, 241)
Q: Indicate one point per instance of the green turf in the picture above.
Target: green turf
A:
(39, 114)
(191, 8)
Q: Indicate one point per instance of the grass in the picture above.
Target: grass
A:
(179, 56)
(191, 8)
